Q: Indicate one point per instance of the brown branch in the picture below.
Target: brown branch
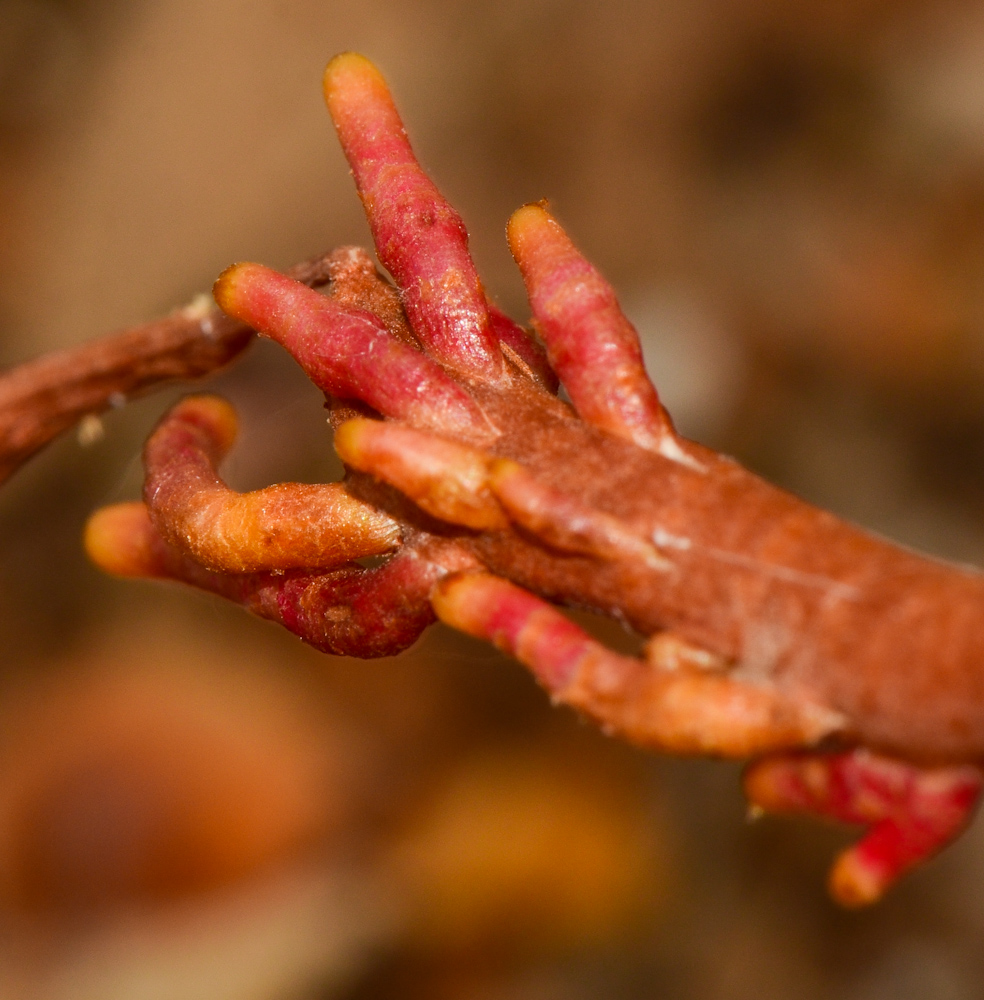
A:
(43, 398)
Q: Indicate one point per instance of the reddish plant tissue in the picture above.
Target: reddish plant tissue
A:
(848, 668)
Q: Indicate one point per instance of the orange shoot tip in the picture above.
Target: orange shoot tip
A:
(216, 413)
(531, 222)
(526, 216)
(852, 884)
(450, 597)
(350, 438)
(115, 539)
(504, 477)
(350, 70)
(503, 469)
(225, 291)
(349, 62)
(759, 785)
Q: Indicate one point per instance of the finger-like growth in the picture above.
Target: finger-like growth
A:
(349, 611)
(349, 353)
(446, 479)
(591, 345)
(684, 712)
(911, 813)
(287, 526)
(419, 237)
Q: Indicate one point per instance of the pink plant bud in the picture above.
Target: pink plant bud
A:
(286, 526)
(591, 345)
(911, 812)
(419, 237)
(349, 353)
(448, 480)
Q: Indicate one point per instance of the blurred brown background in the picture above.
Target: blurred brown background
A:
(790, 200)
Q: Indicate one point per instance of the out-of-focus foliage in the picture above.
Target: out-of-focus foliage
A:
(790, 198)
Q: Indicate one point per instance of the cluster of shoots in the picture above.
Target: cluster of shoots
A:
(488, 501)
